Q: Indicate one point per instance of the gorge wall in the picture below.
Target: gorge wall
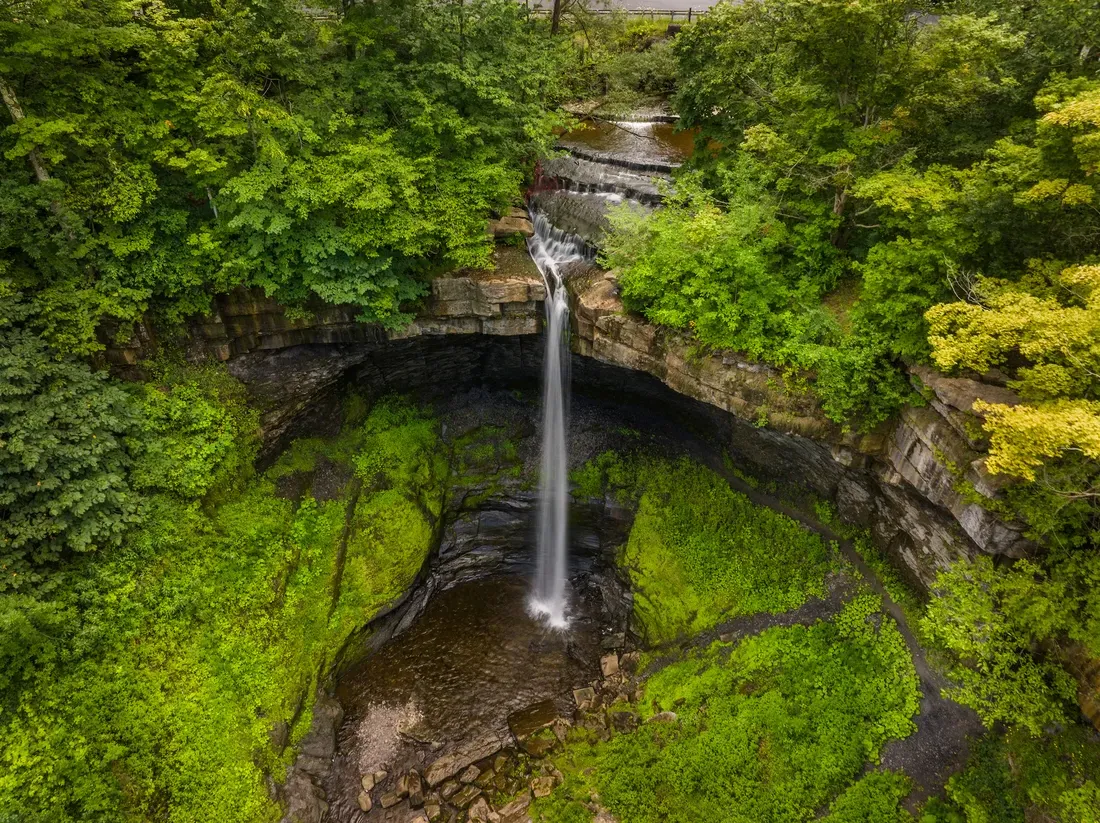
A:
(913, 481)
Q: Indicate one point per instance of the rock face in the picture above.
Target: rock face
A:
(514, 224)
(302, 793)
(584, 176)
(913, 481)
(916, 482)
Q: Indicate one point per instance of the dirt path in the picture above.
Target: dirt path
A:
(940, 745)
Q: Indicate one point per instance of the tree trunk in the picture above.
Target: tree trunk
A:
(555, 18)
(40, 173)
(16, 112)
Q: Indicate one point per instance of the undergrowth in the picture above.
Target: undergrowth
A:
(699, 552)
(164, 671)
(773, 729)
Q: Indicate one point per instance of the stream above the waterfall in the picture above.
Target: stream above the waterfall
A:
(653, 141)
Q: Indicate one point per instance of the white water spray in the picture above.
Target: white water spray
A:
(550, 248)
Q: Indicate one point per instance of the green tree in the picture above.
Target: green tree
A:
(64, 462)
(156, 154)
(992, 624)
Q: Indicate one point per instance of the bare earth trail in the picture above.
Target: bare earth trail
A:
(940, 745)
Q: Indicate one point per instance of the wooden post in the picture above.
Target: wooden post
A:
(689, 14)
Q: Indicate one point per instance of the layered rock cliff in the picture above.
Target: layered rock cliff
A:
(917, 482)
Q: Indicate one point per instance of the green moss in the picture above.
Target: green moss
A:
(773, 729)
(212, 625)
(874, 798)
(199, 437)
(700, 553)
(484, 459)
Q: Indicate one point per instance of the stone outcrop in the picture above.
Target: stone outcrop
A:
(516, 223)
(302, 793)
(580, 175)
(917, 482)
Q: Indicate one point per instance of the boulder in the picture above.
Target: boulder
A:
(609, 665)
(516, 222)
(532, 719)
(451, 764)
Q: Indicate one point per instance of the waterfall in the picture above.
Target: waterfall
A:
(551, 248)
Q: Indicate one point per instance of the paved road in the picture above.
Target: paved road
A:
(664, 5)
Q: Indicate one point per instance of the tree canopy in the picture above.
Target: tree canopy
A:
(156, 153)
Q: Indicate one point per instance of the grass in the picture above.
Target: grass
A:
(700, 553)
(772, 730)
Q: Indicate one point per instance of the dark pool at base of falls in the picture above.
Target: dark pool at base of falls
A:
(470, 661)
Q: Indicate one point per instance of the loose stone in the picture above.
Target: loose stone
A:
(584, 698)
(451, 764)
(368, 782)
(480, 811)
(613, 641)
(542, 786)
(448, 789)
(470, 775)
(379, 776)
(467, 796)
(609, 664)
(433, 811)
(364, 801)
(390, 799)
(517, 809)
(416, 790)
(663, 717)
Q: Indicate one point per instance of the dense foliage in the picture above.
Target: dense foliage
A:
(699, 553)
(152, 681)
(858, 161)
(876, 183)
(64, 456)
(772, 730)
(157, 153)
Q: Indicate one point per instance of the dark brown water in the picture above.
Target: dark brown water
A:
(474, 657)
(652, 141)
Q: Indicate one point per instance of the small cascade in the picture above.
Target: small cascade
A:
(551, 248)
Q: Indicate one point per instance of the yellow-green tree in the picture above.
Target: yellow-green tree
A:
(1052, 324)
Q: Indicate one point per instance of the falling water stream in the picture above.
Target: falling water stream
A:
(488, 646)
(551, 249)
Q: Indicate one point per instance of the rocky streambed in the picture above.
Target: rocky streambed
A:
(449, 719)
(446, 701)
